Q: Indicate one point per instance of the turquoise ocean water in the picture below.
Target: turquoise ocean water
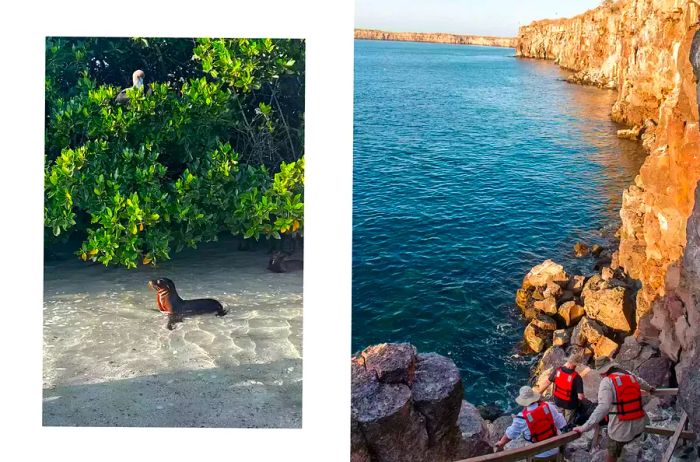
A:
(470, 167)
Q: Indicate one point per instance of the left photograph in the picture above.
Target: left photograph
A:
(173, 232)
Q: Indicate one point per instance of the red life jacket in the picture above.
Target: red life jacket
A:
(564, 385)
(628, 396)
(540, 422)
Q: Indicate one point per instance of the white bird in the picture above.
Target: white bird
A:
(137, 78)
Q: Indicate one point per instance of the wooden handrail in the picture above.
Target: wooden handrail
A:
(685, 435)
(674, 439)
(665, 392)
(512, 455)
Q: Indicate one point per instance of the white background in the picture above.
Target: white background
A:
(328, 30)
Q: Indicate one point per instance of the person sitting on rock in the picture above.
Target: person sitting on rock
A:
(619, 398)
(538, 421)
(568, 387)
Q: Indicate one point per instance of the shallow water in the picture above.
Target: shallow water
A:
(109, 360)
(470, 167)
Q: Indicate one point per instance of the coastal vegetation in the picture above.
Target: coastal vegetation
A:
(212, 143)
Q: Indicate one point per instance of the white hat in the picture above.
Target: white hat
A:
(527, 396)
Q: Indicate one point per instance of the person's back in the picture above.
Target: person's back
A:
(538, 421)
(619, 397)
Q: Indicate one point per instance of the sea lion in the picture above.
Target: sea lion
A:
(176, 308)
(280, 263)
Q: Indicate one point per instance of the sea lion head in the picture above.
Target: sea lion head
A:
(276, 262)
(165, 289)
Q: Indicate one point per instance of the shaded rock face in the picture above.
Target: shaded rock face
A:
(373, 34)
(648, 51)
(405, 406)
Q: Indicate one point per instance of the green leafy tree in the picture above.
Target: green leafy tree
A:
(215, 146)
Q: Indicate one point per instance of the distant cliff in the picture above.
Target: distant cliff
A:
(372, 34)
(642, 49)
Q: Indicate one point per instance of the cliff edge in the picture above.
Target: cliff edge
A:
(643, 49)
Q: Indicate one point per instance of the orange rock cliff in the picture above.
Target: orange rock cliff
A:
(372, 34)
(642, 49)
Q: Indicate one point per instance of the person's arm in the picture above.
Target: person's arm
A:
(578, 383)
(511, 433)
(541, 389)
(559, 419)
(605, 398)
(501, 443)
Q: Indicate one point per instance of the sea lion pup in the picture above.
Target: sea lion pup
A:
(280, 263)
(176, 308)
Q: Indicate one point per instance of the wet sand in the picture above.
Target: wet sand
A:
(110, 361)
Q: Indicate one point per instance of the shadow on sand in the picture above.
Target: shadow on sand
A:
(245, 396)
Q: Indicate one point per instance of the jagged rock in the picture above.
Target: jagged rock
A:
(561, 337)
(646, 332)
(596, 249)
(417, 420)
(535, 338)
(654, 409)
(490, 412)
(544, 322)
(552, 290)
(629, 349)
(607, 274)
(393, 430)
(547, 306)
(391, 362)
(633, 133)
(656, 371)
(604, 348)
(575, 284)
(437, 393)
(611, 307)
(498, 428)
(474, 432)
(522, 299)
(358, 445)
(689, 391)
(566, 296)
(581, 250)
(571, 313)
(543, 273)
(587, 332)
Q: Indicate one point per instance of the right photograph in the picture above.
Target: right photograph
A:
(526, 231)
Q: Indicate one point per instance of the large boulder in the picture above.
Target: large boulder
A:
(547, 306)
(545, 272)
(575, 284)
(391, 362)
(571, 313)
(589, 333)
(406, 406)
(437, 394)
(474, 431)
(544, 322)
(535, 338)
(581, 250)
(498, 427)
(561, 337)
(611, 307)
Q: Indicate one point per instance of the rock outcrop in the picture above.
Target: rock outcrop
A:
(649, 50)
(408, 406)
(455, 39)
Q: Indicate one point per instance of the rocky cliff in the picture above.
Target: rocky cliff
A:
(643, 49)
(371, 34)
